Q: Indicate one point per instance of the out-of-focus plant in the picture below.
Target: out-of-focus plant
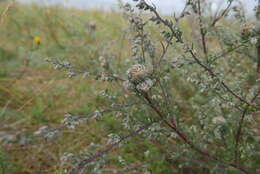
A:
(215, 126)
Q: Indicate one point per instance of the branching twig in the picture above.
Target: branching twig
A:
(258, 43)
(182, 14)
(203, 32)
(229, 51)
(168, 154)
(99, 154)
(92, 115)
(212, 74)
(240, 126)
(173, 126)
(222, 14)
(67, 66)
(137, 166)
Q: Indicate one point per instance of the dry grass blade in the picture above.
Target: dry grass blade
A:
(4, 14)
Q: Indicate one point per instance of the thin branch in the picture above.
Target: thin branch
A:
(257, 14)
(203, 32)
(142, 46)
(240, 127)
(78, 169)
(69, 67)
(173, 126)
(258, 55)
(182, 14)
(224, 12)
(159, 157)
(225, 53)
(137, 166)
(169, 25)
(212, 74)
(92, 115)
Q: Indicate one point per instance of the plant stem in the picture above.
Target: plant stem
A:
(240, 126)
(258, 42)
(203, 33)
(182, 135)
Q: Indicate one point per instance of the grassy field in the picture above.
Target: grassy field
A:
(33, 94)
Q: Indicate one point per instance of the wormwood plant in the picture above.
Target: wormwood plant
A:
(193, 92)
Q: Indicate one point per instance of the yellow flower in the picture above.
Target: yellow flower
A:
(62, 24)
(37, 40)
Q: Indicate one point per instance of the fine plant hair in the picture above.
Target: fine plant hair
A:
(215, 127)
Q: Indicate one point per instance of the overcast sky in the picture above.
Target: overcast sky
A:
(165, 6)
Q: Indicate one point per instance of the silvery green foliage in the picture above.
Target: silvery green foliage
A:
(71, 121)
(113, 138)
(186, 93)
(47, 132)
(145, 85)
(67, 158)
(72, 71)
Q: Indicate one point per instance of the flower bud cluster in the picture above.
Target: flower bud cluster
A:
(250, 29)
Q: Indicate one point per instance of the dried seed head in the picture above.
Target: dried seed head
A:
(249, 29)
(137, 73)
